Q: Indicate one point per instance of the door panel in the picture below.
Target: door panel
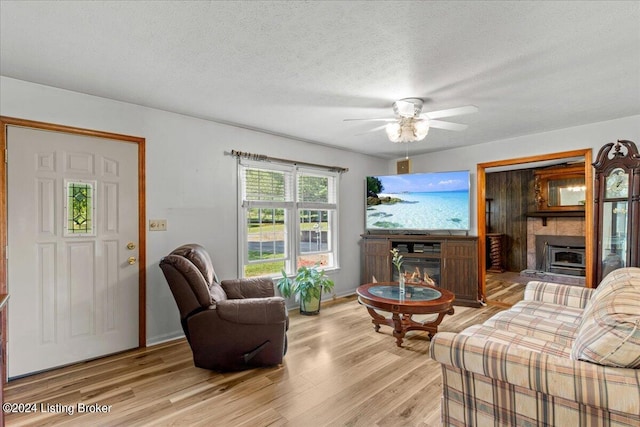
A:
(74, 295)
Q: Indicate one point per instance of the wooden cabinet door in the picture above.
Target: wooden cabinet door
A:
(376, 263)
(460, 270)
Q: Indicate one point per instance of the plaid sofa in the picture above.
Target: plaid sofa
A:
(564, 356)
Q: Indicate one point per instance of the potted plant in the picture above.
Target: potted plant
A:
(307, 287)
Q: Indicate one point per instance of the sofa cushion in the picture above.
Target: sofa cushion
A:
(516, 340)
(609, 333)
(557, 312)
(560, 331)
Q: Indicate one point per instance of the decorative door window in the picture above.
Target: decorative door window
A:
(79, 208)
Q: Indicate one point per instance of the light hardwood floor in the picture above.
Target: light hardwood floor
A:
(506, 288)
(337, 372)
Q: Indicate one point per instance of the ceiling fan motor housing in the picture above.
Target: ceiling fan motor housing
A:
(408, 107)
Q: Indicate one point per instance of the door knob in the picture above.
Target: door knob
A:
(131, 246)
(132, 260)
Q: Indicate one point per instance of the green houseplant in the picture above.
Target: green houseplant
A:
(307, 287)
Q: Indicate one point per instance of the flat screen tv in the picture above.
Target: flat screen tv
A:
(418, 202)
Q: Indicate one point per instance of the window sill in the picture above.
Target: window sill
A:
(329, 271)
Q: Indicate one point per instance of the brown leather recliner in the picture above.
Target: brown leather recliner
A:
(232, 325)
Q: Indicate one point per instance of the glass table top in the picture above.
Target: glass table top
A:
(412, 293)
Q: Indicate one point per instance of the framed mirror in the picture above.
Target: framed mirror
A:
(560, 188)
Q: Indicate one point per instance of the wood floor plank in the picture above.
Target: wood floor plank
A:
(389, 398)
(338, 372)
(332, 383)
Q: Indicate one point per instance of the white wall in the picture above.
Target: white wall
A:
(592, 136)
(192, 184)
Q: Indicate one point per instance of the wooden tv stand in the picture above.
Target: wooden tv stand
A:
(451, 260)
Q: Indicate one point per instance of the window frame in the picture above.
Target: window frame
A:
(292, 209)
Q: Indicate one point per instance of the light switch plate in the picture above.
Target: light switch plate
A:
(157, 225)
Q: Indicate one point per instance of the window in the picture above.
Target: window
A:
(288, 218)
(79, 208)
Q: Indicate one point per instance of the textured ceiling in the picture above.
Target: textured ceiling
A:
(300, 68)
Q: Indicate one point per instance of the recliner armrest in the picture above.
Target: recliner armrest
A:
(253, 311)
(258, 287)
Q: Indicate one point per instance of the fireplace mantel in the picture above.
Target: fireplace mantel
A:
(558, 214)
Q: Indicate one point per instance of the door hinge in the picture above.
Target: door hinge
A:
(6, 155)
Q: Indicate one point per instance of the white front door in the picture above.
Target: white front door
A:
(72, 273)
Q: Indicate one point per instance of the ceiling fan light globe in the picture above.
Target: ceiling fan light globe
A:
(407, 130)
(393, 131)
(421, 129)
(407, 133)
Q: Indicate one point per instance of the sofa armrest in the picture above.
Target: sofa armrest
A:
(615, 389)
(258, 287)
(253, 311)
(556, 293)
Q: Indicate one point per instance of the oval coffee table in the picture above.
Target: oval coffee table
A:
(418, 299)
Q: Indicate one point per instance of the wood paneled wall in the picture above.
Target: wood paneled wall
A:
(512, 197)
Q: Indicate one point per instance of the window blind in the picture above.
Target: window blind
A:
(266, 187)
(316, 190)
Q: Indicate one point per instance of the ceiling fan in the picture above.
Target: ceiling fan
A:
(411, 124)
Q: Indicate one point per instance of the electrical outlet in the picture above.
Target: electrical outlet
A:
(157, 225)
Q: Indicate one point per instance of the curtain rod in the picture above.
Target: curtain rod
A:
(264, 158)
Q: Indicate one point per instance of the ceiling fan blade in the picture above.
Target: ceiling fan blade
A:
(371, 120)
(467, 109)
(372, 130)
(439, 124)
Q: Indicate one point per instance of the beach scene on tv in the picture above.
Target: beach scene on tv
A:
(421, 201)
